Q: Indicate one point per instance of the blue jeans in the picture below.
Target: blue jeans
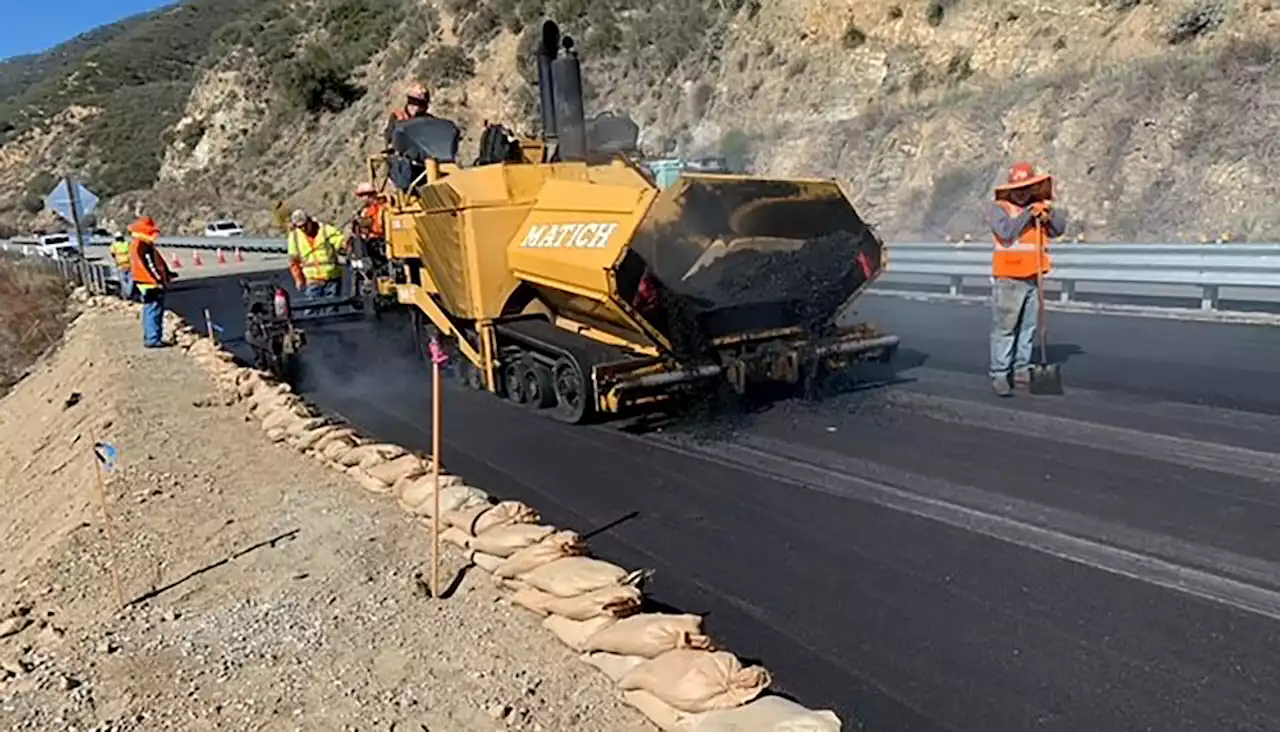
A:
(1013, 326)
(323, 289)
(153, 318)
(126, 284)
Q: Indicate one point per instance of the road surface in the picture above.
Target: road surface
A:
(913, 552)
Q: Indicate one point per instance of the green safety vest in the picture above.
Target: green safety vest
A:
(319, 256)
(120, 252)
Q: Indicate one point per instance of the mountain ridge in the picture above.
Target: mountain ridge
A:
(1152, 114)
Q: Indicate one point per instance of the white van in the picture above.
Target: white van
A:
(223, 228)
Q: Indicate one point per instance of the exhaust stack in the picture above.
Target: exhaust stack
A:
(571, 121)
(560, 95)
(547, 52)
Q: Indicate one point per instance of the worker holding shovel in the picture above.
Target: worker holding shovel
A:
(1023, 219)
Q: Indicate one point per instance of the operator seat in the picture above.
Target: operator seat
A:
(416, 140)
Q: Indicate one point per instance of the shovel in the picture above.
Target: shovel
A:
(1046, 379)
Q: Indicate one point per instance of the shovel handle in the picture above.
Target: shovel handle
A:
(1041, 325)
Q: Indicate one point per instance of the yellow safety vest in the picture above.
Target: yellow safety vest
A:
(120, 252)
(319, 257)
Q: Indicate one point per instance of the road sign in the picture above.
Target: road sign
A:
(60, 201)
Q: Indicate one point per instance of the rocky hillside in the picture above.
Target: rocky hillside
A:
(1155, 114)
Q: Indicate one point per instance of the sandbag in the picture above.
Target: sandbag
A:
(573, 576)
(452, 498)
(484, 561)
(405, 466)
(698, 681)
(769, 713)
(420, 489)
(464, 518)
(507, 540)
(574, 633)
(336, 450)
(649, 635)
(269, 395)
(277, 435)
(556, 546)
(368, 482)
(663, 716)
(455, 536)
(311, 438)
(340, 433)
(612, 665)
(617, 601)
(280, 419)
(381, 450)
(305, 424)
(505, 513)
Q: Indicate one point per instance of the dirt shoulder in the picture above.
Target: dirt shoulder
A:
(281, 595)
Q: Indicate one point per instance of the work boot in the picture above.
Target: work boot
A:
(1022, 380)
(1000, 385)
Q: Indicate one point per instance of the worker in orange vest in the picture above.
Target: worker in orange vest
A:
(417, 103)
(1023, 219)
(151, 277)
(368, 220)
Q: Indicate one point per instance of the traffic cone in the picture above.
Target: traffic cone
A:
(177, 260)
(222, 258)
(199, 262)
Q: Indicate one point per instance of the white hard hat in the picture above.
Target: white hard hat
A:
(298, 217)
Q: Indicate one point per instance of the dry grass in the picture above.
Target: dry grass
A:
(32, 307)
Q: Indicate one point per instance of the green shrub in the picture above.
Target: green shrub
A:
(446, 66)
(935, 13)
(1195, 21)
(738, 150)
(317, 81)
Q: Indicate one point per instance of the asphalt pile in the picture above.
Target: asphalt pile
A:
(662, 664)
(749, 289)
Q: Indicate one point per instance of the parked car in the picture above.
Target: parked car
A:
(58, 246)
(223, 228)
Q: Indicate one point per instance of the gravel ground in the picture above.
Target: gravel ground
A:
(264, 592)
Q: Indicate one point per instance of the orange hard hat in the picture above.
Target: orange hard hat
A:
(145, 228)
(365, 188)
(418, 93)
(1022, 175)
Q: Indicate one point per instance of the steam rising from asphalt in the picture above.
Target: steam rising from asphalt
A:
(360, 362)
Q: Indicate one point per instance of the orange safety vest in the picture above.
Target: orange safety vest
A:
(373, 212)
(141, 275)
(1024, 257)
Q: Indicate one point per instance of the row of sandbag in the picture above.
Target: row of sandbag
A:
(663, 664)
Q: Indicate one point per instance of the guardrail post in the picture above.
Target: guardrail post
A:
(1067, 291)
(956, 284)
(1209, 298)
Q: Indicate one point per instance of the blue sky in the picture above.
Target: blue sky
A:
(34, 25)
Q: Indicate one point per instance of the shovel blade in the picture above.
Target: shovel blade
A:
(1046, 379)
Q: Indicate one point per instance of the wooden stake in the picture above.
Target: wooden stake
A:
(106, 517)
(208, 325)
(435, 478)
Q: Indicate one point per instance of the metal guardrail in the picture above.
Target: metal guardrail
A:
(229, 243)
(1207, 267)
(98, 278)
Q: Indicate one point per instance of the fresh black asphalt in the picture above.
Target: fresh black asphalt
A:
(896, 621)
